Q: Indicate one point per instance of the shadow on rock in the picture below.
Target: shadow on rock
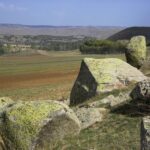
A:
(133, 109)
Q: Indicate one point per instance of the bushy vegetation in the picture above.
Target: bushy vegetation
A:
(45, 42)
(95, 46)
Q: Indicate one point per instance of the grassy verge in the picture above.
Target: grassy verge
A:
(116, 132)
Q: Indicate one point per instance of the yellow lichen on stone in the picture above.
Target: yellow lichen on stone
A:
(136, 51)
(25, 120)
(4, 101)
(101, 76)
(103, 70)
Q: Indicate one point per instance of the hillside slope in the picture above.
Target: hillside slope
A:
(88, 31)
(130, 32)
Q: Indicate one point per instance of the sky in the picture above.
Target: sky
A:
(76, 12)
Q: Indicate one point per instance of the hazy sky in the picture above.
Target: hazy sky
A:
(76, 12)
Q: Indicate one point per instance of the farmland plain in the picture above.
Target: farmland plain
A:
(51, 76)
(37, 76)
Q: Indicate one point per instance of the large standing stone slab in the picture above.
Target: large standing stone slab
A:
(102, 75)
(136, 51)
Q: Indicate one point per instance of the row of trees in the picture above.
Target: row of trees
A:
(57, 46)
(45, 42)
(95, 46)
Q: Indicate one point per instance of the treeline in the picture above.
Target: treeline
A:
(45, 42)
(57, 46)
(95, 46)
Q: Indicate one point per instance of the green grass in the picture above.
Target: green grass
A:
(42, 92)
(116, 132)
(35, 64)
(58, 62)
(119, 131)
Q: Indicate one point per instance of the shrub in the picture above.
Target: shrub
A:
(95, 46)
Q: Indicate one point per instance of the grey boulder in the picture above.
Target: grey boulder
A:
(141, 91)
(90, 116)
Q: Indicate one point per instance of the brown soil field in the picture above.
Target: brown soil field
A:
(37, 77)
(31, 80)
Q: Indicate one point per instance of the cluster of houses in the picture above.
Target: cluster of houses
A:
(16, 47)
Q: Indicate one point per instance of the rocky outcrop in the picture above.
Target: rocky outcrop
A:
(90, 116)
(136, 51)
(5, 102)
(102, 75)
(112, 102)
(36, 125)
(145, 133)
(141, 91)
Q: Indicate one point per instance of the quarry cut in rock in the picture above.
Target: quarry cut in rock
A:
(145, 133)
(136, 51)
(37, 125)
(102, 75)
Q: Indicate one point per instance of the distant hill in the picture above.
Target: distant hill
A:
(130, 32)
(100, 32)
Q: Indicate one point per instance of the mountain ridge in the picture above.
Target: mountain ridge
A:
(100, 32)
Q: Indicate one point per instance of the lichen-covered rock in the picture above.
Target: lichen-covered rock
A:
(120, 100)
(5, 102)
(136, 51)
(37, 125)
(145, 133)
(112, 102)
(90, 116)
(105, 102)
(102, 75)
(141, 91)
